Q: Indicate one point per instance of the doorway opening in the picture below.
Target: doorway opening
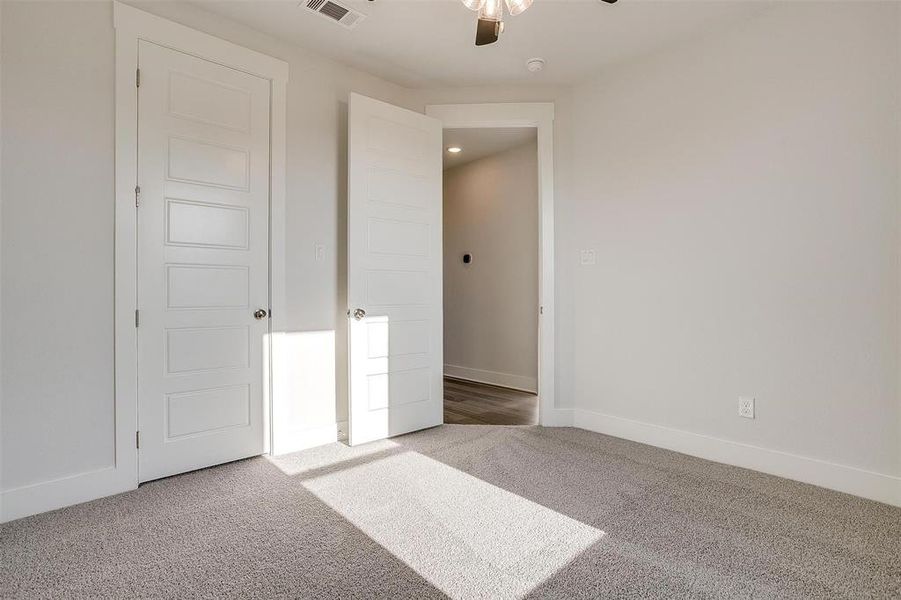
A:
(491, 275)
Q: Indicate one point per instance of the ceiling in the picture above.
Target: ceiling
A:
(479, 143)
(430, 43)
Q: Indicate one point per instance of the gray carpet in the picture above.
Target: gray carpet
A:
(466, 512)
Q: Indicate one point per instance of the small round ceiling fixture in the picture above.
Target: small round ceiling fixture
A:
(454, 149)
(535, 64)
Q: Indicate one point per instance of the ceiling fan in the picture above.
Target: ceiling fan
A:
(490, 23)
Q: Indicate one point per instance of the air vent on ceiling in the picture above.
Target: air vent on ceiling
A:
(333, 11)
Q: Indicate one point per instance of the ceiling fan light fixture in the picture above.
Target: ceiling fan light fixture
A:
(475, 5)
(487, 31)
(516, 7)
(490, 22)
(492, 10)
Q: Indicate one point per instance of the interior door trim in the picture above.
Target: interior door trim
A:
(131, 26)
(539, 115)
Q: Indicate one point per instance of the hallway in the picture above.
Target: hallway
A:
(471, 403)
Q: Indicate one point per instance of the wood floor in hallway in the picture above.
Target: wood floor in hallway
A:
(470, 403)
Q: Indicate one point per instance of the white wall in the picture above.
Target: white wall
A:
(491, 304)
(57, 237)
(57, 240)
(741, 193)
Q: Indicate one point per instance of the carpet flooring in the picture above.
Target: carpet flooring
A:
(462, 511)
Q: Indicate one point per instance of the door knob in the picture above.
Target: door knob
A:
(260, 314)
(358, 314)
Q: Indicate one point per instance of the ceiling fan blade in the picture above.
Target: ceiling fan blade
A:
(486, 32)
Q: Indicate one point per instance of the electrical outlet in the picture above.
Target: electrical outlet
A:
(746, 407)
(587, 257)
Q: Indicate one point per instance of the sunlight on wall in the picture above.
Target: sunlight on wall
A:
(303, 407)
(465, 536)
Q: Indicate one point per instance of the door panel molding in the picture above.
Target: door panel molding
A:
(394, 271)
(131, 26)
(197, 328)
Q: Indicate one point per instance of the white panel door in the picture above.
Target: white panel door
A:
(203, 266)
(394, 270)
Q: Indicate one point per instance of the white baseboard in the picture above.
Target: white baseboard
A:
(508, 380)
(851, 480)
(310, 437)
(59, 493)
(557, 417)
(84, 487)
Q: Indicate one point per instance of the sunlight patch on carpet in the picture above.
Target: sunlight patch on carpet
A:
(468, 538)
(330, 456)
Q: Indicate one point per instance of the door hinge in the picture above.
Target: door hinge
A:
(137, 318)
(137, 77)
(138, 440)
(137, 195)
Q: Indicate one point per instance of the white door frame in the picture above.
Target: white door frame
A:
(539, 115)
(131, 26)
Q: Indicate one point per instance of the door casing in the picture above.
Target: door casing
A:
(131, 26)
(539, 115)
